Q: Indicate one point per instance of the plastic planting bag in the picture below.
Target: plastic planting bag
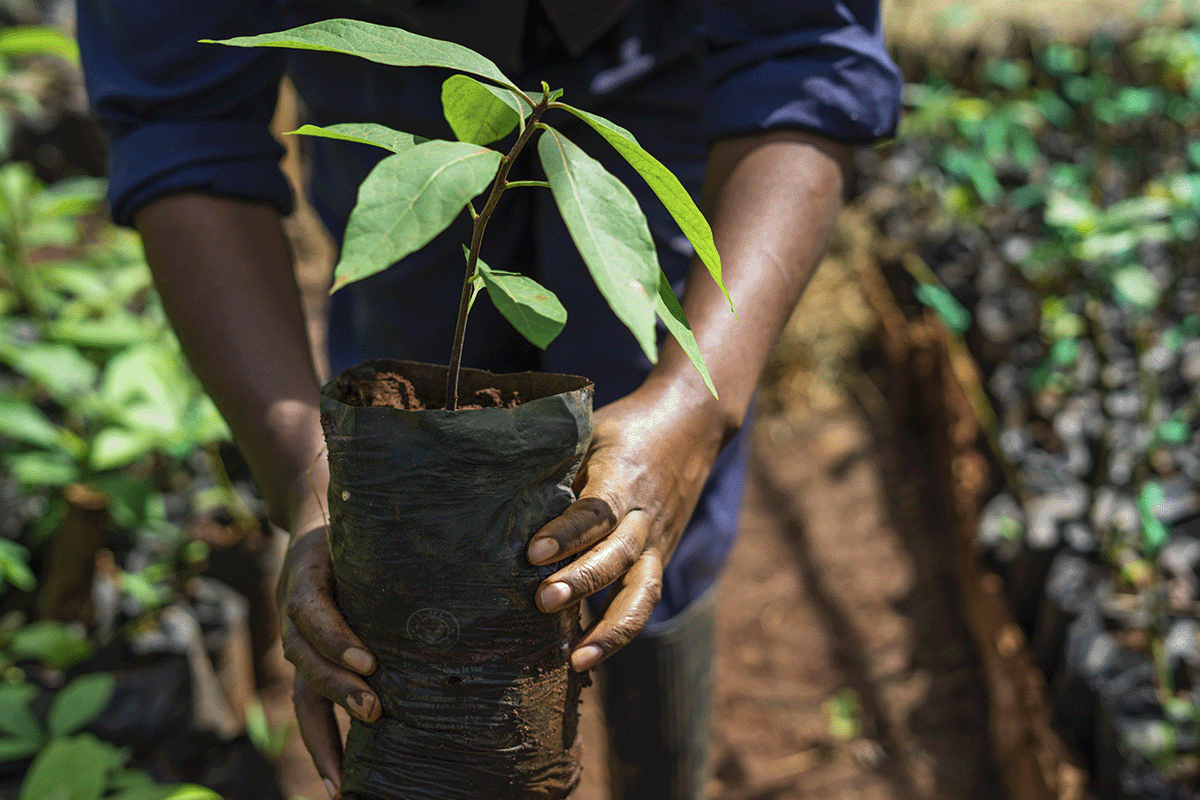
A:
(430, 515)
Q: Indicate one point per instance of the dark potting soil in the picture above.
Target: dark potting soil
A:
(388, 389)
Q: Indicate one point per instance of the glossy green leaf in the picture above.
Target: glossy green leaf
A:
(32, 40)
(14, 747)
(363, 133)
(378, 43)
(532, 309)
(667, 187)
(610, 231)
(74, 768)
(22, 421)
(80, 702)
(477, 113)
(408, 199)
(671, 313)
(14, 571)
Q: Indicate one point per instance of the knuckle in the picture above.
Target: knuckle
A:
(653, 589)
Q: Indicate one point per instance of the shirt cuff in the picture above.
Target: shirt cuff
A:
(225, 157)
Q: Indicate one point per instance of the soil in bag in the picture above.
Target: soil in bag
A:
(430, 513)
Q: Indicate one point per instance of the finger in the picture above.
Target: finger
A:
(608, 560)
(585, 522)
(319, 730)
(626, 614)
(332, 682)
(311, 608)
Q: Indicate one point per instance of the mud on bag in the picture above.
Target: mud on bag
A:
(430, 514)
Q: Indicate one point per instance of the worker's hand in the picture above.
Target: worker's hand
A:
(330, 660)
(650, 455)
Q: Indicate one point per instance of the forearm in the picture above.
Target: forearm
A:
(772, 200)
(224, 271)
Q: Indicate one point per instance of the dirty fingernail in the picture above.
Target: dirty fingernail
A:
(585, 657)
(555, 595)
(542, 549)
(329, 787)
(361, 705)
(358, 660)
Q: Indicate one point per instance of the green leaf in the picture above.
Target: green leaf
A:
(949, 310)
(364, 133)
(68, 197)
(1135, 285)
(1154, 532)
(533, 310)
(408, 199)
(477, 113)
(377, 43)
(668, 189)
(32, 40)
(61, 369)
(79, 702)
(671, 313)
(75, 768)
(22, 421)
(118, 328)
(14, 747)
(14, 570)
(610, 231)
(43, 469)
(1174, 431)
(117, 446)
(50, 642)
(16, 719)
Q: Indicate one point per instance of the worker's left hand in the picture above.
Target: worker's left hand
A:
(650, 455)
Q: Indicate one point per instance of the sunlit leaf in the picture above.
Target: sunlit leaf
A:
(1134, 284)
(32, 40)
(22, 421)
(407, 200)
(1154, 532)
(671, 313)
(532, 309)
(116, 447)
(666, 186)
(610, 231)
(363, 133)
(477, 113)
(43, 469)
(378, 43)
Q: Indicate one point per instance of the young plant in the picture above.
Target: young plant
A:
(414, 194)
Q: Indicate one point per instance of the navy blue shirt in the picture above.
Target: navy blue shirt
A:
(182, 115)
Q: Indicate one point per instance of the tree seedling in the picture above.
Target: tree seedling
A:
(413, 194)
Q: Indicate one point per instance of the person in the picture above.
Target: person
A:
(754, 104)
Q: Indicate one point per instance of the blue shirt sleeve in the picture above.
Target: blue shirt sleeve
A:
(178, 114)
(818, 65)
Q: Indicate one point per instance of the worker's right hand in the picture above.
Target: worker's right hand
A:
(330, 660)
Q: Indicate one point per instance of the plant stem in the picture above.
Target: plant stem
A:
(481, 221)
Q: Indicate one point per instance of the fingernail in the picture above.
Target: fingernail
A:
(359, 660)
(555, 595)
(585, 657)
(542, 550)
(329, 787)
(361, 705)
